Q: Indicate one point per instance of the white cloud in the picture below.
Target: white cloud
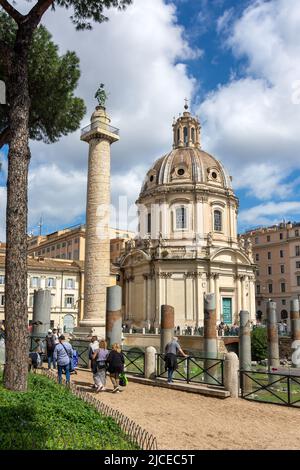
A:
(251, 123)
(57, 196)
(139, 55)
(265, 181)
(269, 213)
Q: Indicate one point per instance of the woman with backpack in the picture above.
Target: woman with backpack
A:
(115, 363)
(100, 356)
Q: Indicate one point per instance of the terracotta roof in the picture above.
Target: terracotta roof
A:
(54, 264)
(48, 263)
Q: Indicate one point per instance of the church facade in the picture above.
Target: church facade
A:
(187, 244)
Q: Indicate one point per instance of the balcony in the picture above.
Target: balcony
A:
(99, 125)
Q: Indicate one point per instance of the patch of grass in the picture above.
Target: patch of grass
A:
(49, 417)
(277, 392)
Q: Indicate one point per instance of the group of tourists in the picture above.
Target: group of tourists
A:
(103, 361)
(58, 351)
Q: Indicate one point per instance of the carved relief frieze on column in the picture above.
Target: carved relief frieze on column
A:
(164, 275)
(192, 275)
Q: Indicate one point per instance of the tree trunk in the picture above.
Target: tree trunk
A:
(16, 316)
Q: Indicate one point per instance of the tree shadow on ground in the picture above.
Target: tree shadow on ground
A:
(19, 429)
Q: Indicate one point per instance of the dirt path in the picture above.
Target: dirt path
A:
(181, 420)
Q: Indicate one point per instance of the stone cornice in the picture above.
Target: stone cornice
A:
(188, 189)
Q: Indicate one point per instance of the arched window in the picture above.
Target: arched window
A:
(284, 315)
(217, 221)
(181, 218)
(193, 135)
(178, 135)
(185, 135)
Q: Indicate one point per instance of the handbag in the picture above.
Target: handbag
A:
(123, 381)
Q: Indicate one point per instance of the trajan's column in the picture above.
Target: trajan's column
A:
(99, 135)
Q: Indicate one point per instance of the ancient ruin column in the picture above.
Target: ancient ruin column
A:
(273, 347)
(294, 315)
(210, 337)
(245, 351)
(167, 326)
(166, 331)
(114, 315)
(231, 374)
(99, 135)
(295, 330)
(245, 341)
(41, 312)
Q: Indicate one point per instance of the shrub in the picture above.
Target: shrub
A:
(259, 344)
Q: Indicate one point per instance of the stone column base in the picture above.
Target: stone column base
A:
(88, 328)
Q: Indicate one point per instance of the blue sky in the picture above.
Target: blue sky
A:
(236, 61)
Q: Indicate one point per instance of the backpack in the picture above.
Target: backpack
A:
(50, 342)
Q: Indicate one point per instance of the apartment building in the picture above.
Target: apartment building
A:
(65, 281)
(69, 243)
(276, 251)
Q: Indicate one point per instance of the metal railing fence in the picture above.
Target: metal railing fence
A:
(194, 369)
(270, 387)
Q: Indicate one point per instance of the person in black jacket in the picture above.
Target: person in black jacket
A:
(50, 346)
(115, 362)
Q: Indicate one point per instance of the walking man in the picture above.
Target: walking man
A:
(63, 354)
(171, 357)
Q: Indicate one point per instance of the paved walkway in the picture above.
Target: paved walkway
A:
(181, 420)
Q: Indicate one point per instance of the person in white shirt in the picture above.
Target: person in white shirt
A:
(94, 345)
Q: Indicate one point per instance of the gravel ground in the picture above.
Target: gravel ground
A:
(199, 422)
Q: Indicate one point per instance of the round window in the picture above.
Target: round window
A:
(214, 175)
(151, 178)
(181, 172)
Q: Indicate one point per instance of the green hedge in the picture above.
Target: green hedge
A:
(49, 417)
(259, 344)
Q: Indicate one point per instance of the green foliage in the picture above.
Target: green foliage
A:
(49, 417)
(55, 111)
(90, 10)
(259, 343)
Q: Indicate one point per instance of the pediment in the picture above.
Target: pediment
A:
(229, 255)
(135, 257)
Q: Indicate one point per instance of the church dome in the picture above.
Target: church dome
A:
(187, 163)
